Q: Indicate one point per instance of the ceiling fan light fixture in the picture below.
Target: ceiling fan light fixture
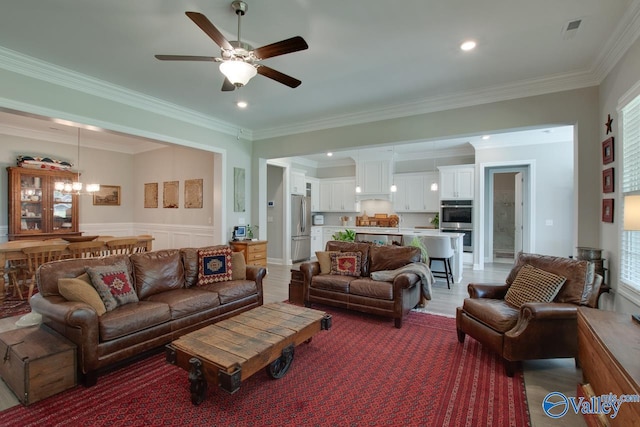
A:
(238, 72)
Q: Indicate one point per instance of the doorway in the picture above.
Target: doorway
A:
(509, 223)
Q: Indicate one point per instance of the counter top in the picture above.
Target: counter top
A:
(393, 230)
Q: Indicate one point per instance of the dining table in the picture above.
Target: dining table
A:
(12, 251)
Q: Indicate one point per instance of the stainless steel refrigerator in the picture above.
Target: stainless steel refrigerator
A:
(300, 228)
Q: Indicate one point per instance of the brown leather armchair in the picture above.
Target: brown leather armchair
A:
(536, 330)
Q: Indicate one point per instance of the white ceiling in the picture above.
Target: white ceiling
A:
(367, 59)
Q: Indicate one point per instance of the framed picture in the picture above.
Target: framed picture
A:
(607, 181)
(238, 190)
(607, 210)
(108, 195)
(607, 151)
(170, 194)
(151, 195)
(193, 194)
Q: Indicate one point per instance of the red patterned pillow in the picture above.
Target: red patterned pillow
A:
(214, 265)
(346, 263)
(113, 284)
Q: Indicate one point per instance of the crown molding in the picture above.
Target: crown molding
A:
(22, 64)
(623, 37)
(521, 89)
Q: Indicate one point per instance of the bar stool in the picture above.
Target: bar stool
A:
(439, 249)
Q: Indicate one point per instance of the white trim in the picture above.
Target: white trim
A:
(479, 231)
(28, 66)
(629, 292)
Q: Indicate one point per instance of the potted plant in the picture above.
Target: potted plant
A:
(345, 236)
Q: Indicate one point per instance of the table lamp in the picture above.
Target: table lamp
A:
(631, 222)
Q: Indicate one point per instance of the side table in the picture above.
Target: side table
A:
(254, 251)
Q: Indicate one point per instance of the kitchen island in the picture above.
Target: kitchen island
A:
(389, 234)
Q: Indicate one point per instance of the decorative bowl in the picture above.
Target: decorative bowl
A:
(73, 239)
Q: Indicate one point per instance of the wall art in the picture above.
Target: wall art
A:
(193, 194)
(151, 195)
(170, 194)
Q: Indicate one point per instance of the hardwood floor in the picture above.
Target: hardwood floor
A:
(541, 376)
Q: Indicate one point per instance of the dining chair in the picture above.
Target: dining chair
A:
(439, 249)
(15, 269)
(38, 255)
(141, 244)
(85, 249)
(121, 246)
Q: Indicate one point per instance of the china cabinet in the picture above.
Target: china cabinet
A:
(36, 209)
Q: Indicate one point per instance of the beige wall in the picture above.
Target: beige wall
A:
(619, 81)
(575, 107)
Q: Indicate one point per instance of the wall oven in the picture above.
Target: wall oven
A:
(456, 216)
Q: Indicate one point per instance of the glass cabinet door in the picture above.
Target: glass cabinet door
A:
(31, 203)
(62, 220)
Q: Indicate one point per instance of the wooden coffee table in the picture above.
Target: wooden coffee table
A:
(232, 350)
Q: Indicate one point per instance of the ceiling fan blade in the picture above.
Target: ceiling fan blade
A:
(227, 86)
(278, 76)
(185, 58)
(294, 44)
(205, 25)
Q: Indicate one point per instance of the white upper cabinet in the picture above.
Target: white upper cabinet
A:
(314, 183)
(456, 182)
(338, 195)
(414, 192)
(298, 183)
(374, 177)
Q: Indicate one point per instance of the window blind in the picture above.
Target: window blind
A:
(630, 240)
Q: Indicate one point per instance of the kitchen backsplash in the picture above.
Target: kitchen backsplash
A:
(372, 207)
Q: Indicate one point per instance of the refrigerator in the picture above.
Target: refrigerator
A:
(300, 228)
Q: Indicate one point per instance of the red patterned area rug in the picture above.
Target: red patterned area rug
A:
(361, 372)
(13, 306)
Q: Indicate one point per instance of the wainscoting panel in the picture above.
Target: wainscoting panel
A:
(165, 236)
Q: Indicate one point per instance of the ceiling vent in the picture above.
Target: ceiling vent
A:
(571, 28)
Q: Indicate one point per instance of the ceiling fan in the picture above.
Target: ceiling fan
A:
(239, 61)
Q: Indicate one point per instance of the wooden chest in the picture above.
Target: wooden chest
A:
(254, 251)
(296, 287)
(37, 363)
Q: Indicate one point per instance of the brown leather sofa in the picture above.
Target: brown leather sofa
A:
(170, 305)
(536, 330)
(390, 299)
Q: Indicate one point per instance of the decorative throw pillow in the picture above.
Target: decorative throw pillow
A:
(79, 289)
(346, 263)
(113, 284)
(238, 266)
(324, 259)
(214, 266)
(533, 285)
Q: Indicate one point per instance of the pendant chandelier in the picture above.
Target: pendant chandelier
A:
(76, 186)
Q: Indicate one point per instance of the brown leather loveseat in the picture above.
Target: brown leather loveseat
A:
(385, 298)
(535, 330)
(170, 304)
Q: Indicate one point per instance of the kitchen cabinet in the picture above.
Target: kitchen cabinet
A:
(338, 195)
(314, 184)
(327, 234)
(414, 192)
(456, 182)
(374, 177)
(316, 240)
(36, 209)
(298, 183)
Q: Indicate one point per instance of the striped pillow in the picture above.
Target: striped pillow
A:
(533, 285)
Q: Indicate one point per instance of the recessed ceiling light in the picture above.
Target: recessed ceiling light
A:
(485, 137)
(468, 45)
(242, 104)
(329, 154)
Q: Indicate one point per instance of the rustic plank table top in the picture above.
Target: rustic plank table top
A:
(232, 350)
